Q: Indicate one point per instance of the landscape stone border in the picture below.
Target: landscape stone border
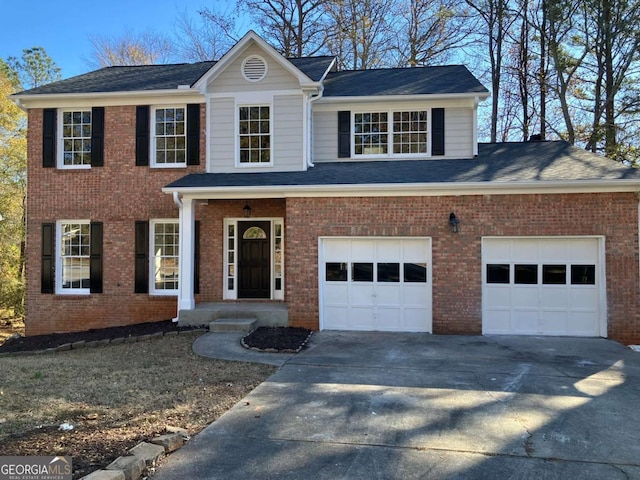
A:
(275, 350)
(142, 458)
(100, 343)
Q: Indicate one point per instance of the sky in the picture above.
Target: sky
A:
(62, 28)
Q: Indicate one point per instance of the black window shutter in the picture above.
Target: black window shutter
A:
(48, 258)
(142, 135)
(193, 134)
(95, 258)
(49, 137)
(437, 131)
(142, 257)
(344, 134)
(97, 136)
(196, 257)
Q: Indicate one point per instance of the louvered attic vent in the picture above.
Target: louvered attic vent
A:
(254, 68)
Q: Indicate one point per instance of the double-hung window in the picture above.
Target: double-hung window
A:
(394, 133)
(169, 139)
(74, 250)
(75, 147)
(254, 135)
(165, 242)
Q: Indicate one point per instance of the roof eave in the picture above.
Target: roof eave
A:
(32, 100)
(423, 96)
(410, 189)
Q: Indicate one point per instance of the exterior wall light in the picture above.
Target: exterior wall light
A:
(247, 211)
(453, 222)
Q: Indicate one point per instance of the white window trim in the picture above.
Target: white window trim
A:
(232, 294)
(152, 137)
(390, 133)
(152, 257)
(60, 138)
(59, 269)
(239, 164)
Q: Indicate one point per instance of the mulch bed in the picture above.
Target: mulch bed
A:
(43, 342)
(277, 339)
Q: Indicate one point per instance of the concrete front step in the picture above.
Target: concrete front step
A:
(233, 324)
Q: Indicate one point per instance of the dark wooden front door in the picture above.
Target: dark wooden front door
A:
(254, 262)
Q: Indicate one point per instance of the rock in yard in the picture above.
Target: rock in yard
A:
(131, 466)
(170, 441)
(149, 452)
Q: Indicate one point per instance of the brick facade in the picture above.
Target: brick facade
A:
(457, 276)
(121, 193)
(117, 194)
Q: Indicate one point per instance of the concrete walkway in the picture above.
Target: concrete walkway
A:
(405, 406)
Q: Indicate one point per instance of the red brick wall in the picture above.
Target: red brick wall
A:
(457, 280)
(120, 193)
(117, 194)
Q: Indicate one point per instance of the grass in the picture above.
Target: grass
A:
(114, 396)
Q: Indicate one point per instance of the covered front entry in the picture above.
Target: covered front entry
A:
(381, 284)
(254, 260)
(544, 286)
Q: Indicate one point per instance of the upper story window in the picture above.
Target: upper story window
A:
(169, 139)
(254, 132)
(74, 241)
(390, 133)
(75, 144)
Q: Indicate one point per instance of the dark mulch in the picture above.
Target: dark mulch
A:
(279, 339)
(42, 342)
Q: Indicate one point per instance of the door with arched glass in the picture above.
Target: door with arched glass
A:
(254, 260)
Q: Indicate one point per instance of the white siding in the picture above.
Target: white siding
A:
(232, 81)
(221, 143)
(287, 135)
(458, 127)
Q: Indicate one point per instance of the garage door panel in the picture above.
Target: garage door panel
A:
(554, 297)
(360, 318)
(525, 297)
(553, 303)
(525, 321)
(336, 294)
(388, 251)
(416, 295)
(554, 322)
(386, 287)
(388, 295)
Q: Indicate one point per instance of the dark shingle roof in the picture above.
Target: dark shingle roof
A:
(128, 79)
(156, 77)
(402, 81)
(498, 162)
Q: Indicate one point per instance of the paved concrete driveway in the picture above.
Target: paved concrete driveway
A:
(404, 406)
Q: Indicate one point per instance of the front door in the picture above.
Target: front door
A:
(254, 262)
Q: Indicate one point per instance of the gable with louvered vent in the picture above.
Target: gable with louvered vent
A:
(254, 68)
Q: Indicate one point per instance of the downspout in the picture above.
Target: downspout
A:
(178, 202)
(310, 125)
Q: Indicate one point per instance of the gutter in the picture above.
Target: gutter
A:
(312, 100)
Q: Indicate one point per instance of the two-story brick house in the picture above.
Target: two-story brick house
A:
(357, 200)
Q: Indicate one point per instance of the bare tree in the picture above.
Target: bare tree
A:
(361, 32)
(209, 36)
(429, 33)
(497, 20)
(294, 27)
(130, 49)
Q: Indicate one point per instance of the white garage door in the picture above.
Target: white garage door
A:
(379, 284)
(543, 286)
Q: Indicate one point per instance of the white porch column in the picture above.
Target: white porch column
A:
(185, 284)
